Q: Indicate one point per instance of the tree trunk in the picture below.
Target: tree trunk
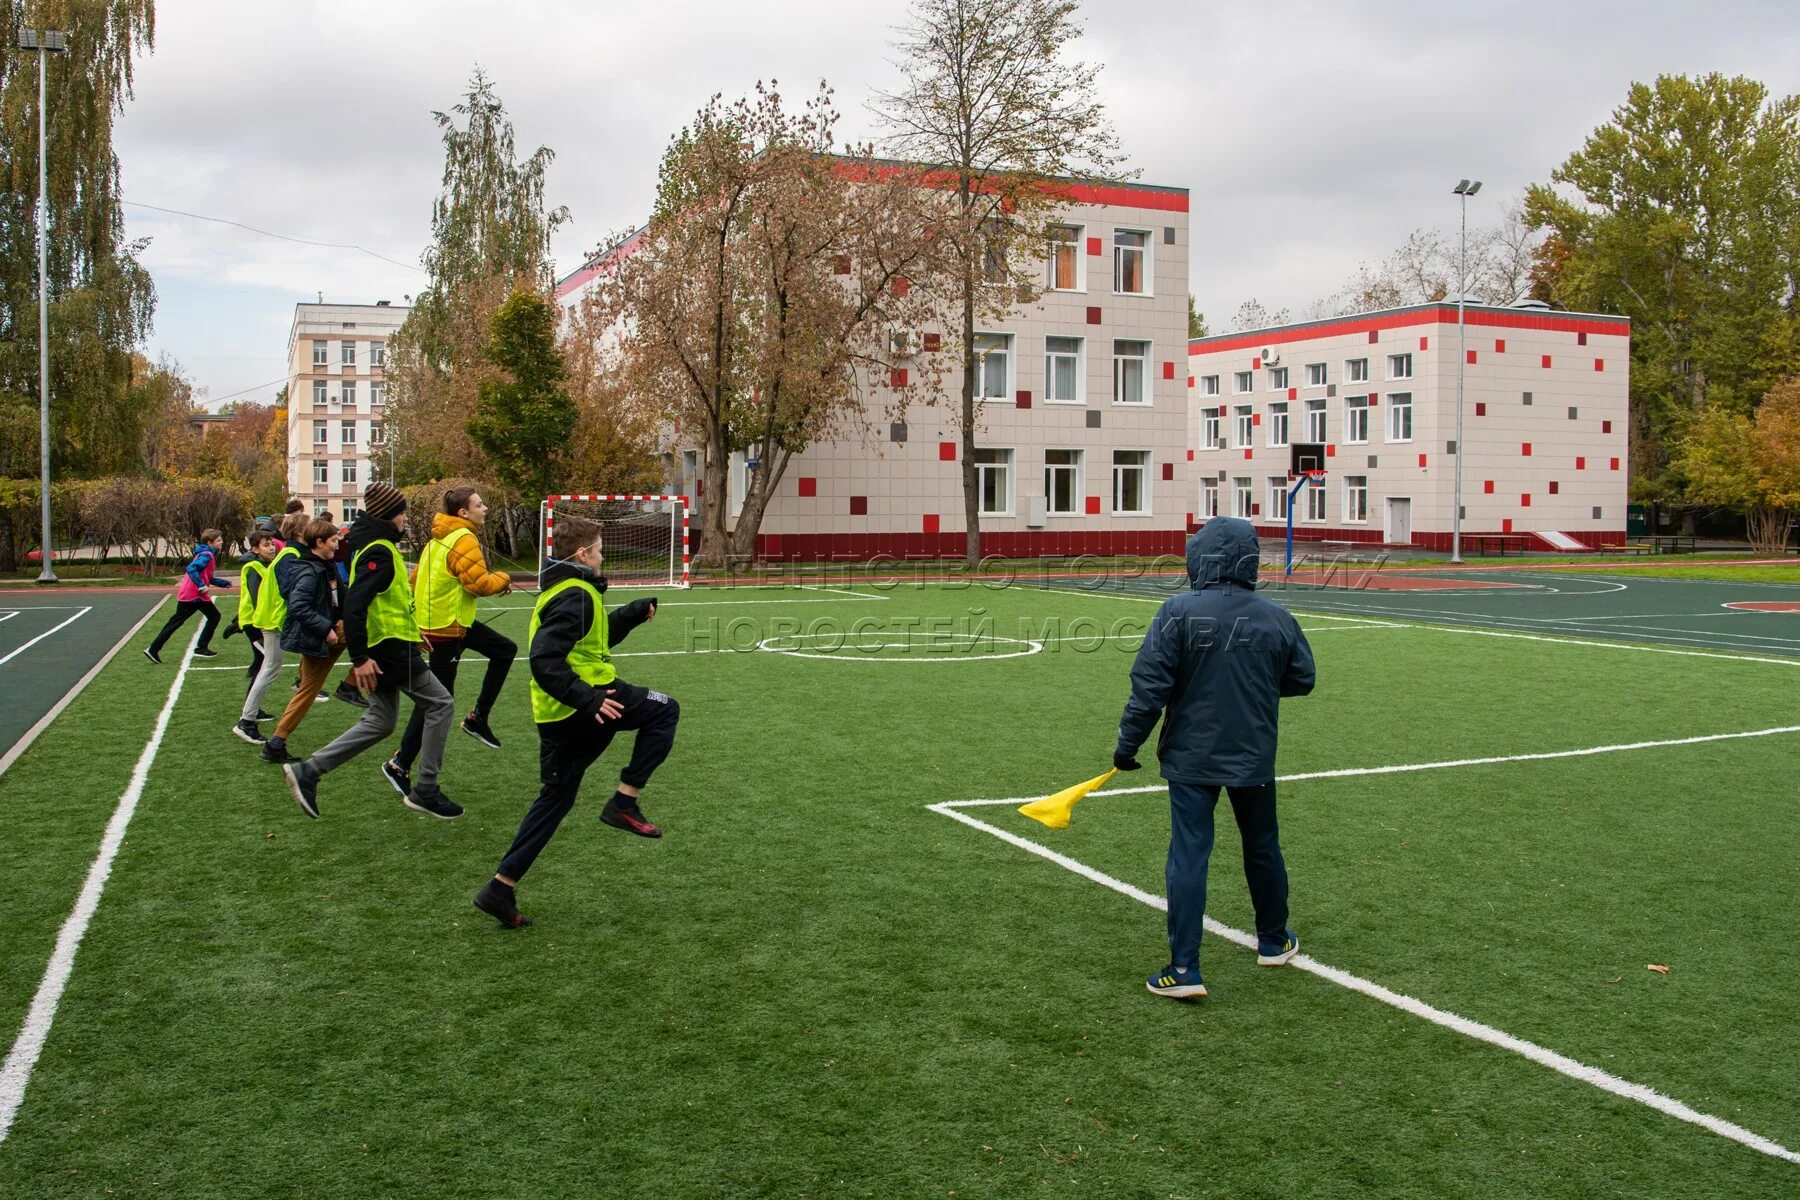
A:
(971, 482)
(1768, 528)
(762, 490)
(715, 501)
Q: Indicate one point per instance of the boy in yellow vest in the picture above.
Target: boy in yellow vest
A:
(264, 546)
(384, 646)
(270, 611)
(452, 575)
(579, 703)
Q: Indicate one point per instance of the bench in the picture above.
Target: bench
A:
(1628, 548)
(1499, 543)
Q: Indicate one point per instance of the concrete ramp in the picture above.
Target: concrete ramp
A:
(1560, 541)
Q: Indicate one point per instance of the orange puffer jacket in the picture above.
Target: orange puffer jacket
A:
(468, 564)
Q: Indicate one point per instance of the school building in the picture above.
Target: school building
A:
(337, 401)
(1544, 440)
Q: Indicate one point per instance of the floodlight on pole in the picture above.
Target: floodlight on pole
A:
(42, 42)
(1464, 188)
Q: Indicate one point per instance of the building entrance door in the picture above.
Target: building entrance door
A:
(1399, 521)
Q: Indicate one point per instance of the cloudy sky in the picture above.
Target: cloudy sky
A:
(1314, 136)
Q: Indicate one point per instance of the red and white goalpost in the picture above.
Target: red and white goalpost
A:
(646, 538)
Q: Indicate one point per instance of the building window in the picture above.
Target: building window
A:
(377, 392)
(348, 353)
(350, 513)
(1315, 375)
(1278, 497)
(1246, 425)
(321, 471)
(1243, 499)
(318, 354)
(1278, 379)
(1131, 372)
(993, 482)
(1400, 417)
(1209, 385)
(1316, 421)
(347, 433)
(1356, 498)
(1243, 382)
(1356, 419)
(378, 354)
(1131, 483)
(1211, 438)
(1131, 252)
(1399, 366)
(377, 433)
(1065, 258)
(320, 434)
(1278, 424)
(1209, 498)
(1356, 370)
(349, 470)
(320, 508)
(318, 391)
(349, 391)
(993, 356)
(1062, 482)
(1062, 370)
(1315, 500)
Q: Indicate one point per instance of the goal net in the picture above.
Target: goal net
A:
(645, 539)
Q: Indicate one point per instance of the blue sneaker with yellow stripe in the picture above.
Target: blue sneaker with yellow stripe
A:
(1275, 952)
(1177, 983)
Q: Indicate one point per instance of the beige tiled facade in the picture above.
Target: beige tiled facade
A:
(342, 398)
(1545, 408)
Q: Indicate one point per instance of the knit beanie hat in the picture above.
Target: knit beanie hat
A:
(383, 501)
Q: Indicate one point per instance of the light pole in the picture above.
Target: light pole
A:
(1464, 189)
(42, 42)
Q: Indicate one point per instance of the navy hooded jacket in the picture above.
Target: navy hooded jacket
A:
(1214, 665)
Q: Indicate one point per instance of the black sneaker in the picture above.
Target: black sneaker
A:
(628, 817)
(398, 777)
(347, 692)
(248, 731)
(206, 654)
(433, 802)
(153, 656)
(476, 726)
(262, 716)
(496, 900)
(275, 751)
(303, 784)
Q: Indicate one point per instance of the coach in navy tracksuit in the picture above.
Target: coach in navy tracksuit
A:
(1214, 665)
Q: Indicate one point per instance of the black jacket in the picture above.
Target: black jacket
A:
(1214, 665)
(305, 584)
(565, 621)
(373, 574)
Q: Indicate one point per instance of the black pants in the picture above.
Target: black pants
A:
(497, 648)
(567, 748)
(254, 635)
(183, 610)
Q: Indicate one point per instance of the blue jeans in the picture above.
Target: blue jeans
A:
(1190, 846)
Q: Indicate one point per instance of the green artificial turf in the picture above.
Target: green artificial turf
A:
(815, 986)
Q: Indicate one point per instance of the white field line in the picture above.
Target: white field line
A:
(848, 598)
(817, 587)
(31, 735)
(9, 615)
(40, 637)
(15, 1073)
(1437, 1016)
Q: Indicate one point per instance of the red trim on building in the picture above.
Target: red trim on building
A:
(1436, 314)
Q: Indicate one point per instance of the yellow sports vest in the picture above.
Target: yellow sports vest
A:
(442, 600)
(271, 605)
(390, 609)
(256, 568)
(590, 659)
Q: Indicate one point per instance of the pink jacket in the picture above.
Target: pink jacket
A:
(198, 576)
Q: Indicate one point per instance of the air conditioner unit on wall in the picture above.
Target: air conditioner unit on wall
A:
(1271, 355)
(903, 343)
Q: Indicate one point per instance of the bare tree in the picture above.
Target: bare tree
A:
(1254, 314)
(993, 103)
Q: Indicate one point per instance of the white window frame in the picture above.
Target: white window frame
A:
(347, 354)
(1243, 426)
(1212, 428)
(1322, 410)
(1149, 288)
(1353, 492)
(347, 392)
(1315, 375)
(350, 513)
(1209, 498)
(378, 354)
(1209, 385)
(1077, 470)
(320, 508)
(346, 433)
(1356, 370)
(1243, 496)
(1316, 507)
(1118, 469)
(1080, 357)
(1278, 424)
(1243, 382)
(1278, 497)
(1356, 421)
(321, 394)
(1008, 367)
(347, 470)
(1400, 406)
(1118, 373)
(377, 393)
(1005, 466)
(377, 433)
(321, 353)
(1278, 378)
(321, 433)
(1080, 252)
(322, 472)
(1400, 366)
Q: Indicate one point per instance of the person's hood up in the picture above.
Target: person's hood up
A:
(443, 525)
(366, 529)
(1224, 551)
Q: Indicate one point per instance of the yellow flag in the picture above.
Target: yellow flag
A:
(1054, 810)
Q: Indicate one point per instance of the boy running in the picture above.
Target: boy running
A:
(384, 644)
(254, 576)
(270, 612)
(192, 596)
(579, 703)
(311, 628)
(452, 574)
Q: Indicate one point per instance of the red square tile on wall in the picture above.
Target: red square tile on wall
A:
(859, 506)
(1555, 487)
(1525, 500)
(1094, 247)
(1481, 408)
(1256, 418)
(1373, 337)
(1599, 364)
(1471, 358)
(1499, 345)
(1606, 427)
(1168, 470)
(1506, 525)
(930, 523)
(897, 377)
(1093, 314)
(1168, 370)
(1190, 456)
(1422, 460)
(1023, 399)
(809, 486)
(1487, 486)
(946, 451)
(1615, 464)
(1525, 450)
(1293, 393)
(1580, 463)
(1545, 361)
(1256, 364)
(1093, 506)
(1424, 343)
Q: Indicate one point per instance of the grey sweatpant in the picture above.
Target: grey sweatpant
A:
(377, 722)
(271, 664)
